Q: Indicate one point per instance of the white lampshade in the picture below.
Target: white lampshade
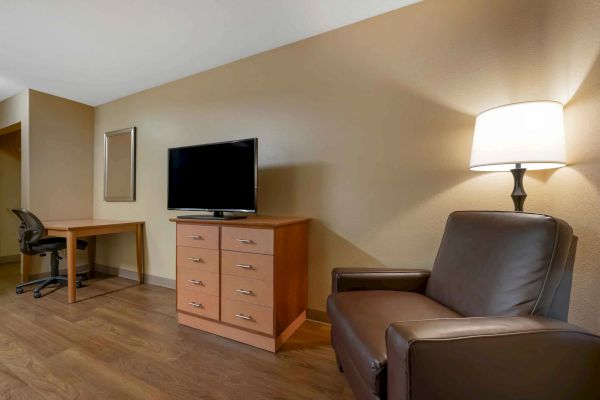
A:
(531, 134)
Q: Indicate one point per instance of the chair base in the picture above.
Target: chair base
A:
(44, 282)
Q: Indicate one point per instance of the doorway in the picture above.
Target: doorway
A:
(10, 191)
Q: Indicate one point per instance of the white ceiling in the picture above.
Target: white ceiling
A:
(94, 51)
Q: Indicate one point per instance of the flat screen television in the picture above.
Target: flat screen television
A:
(215, 177)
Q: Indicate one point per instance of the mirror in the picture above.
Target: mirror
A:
(119, 165)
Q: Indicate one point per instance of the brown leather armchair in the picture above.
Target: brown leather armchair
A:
(485, 323)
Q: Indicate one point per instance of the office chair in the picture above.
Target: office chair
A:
(31, 232)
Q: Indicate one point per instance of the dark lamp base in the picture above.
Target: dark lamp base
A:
(518, 194)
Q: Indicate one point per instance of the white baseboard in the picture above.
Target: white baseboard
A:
(317, 315)
(39, 275)
(10, 259)
(128, 274)
(114, 271)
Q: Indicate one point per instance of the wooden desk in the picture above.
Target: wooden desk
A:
(89, 228)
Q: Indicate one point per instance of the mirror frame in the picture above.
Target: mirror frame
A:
(132, 134)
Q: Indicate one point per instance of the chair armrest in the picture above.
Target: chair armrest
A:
(492, 358)
(353, 279)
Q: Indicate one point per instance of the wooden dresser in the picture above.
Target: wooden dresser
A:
(243, 279)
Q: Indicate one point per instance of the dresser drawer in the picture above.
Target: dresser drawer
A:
(194, 257)
(196, 280)
(252, 291)
(196, 303)
(249, 316)
(247, 239)
(194, 235)
(247, 265)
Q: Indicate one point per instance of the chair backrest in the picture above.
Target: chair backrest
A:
(31, 229)
(503, 263)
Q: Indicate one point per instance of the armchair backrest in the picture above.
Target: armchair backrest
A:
(30, 231)
(503, 263)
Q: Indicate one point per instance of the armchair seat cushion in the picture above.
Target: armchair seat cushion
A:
(359, 321)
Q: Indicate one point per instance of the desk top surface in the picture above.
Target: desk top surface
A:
(70, 224)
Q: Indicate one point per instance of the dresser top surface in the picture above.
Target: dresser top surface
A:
(257, 221)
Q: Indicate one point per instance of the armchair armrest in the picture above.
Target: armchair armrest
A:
(492, 358)
(352, 279)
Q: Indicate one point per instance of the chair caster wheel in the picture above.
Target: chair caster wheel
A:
(19, 290)
(37, 294)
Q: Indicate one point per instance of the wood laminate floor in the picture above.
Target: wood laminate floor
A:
(122, 341)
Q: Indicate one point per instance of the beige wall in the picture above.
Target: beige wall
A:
(367, 130)
(61, 157)
(10, 191)
(574, 194)
(56, 155)
(15, 110)
(61, 161)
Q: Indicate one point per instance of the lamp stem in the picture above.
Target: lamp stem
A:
(518, 194)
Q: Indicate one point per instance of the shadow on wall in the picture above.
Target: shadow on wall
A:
(302, 190)
(312, 190)
(379, 153)
(507, 50)
(291, 188)
(328, 250)
(574, 195)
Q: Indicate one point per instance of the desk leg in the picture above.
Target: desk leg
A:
(139, 248)
(72, 264)
(25, 267)
(92, 256)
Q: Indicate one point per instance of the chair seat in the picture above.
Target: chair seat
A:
(54, 243)
(360, 319)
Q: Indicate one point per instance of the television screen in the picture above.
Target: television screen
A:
(214, 177)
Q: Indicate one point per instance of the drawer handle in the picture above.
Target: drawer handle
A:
(244, 291)
(194, 304)
(246, 241)
(195, 259)
(245, 266)
(242, 316)
(196, 282)
(195, 237)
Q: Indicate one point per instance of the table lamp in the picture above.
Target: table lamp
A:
(518, 137)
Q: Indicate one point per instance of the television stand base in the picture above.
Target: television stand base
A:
(216, 215)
